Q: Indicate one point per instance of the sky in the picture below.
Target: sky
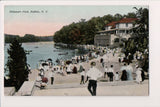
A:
(46, 20)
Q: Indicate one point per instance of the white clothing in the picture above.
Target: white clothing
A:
(42, 73)
(138, 73)
(43, 84)
(111, 70)
(106, 70)
(129, 68)
(62, 63)
(69, 68)
(83, 73)
(116, 77)
(51, 74)
(46, 68)
(94, 73)
(123, 68)
(40, 67)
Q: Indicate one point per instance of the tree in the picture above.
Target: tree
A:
(83, 32)
(30, 38)
(142, 22)
(140, 38)
(117, 16)
(130, 15)
(17, 64)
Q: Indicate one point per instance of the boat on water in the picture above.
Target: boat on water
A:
(57, 48)
(57, 51)
(63, 53)
(36, 47)
(28, 51)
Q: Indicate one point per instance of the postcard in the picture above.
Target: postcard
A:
(76, 50)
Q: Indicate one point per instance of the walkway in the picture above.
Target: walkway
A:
(128, 88)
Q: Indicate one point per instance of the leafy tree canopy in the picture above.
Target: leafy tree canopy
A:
(83, 32)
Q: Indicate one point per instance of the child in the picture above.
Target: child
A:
(110, 72)
(105, 72)
(117, 76)
(82, 76)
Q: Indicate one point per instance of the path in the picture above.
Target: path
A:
(103, 89)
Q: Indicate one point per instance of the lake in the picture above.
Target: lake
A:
(42, 51)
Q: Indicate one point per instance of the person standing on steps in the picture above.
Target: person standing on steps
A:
(93, 75)
(82, 76)
(129, 70)
(51, 74)
(102, 62)
(105, 71)
(42, 73)
(138, 75)
(111, 73)
(124, 75)
(116, 76)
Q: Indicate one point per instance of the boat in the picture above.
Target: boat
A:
(56, 50)
(36, 47)
(63, 53)
(28, 51)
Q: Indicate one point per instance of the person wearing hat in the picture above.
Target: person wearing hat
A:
(93, 74)
(51, 75)
(138, 75)
(111, 73)
(129, 70)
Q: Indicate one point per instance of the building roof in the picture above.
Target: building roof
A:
(127, 20)
(124, 20)
(112, 23)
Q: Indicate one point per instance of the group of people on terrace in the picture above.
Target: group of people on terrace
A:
(99, 54)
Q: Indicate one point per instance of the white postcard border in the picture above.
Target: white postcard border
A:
(112, 101)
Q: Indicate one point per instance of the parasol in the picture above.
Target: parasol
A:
(45, 79)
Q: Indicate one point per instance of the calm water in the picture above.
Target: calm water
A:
(42, 51)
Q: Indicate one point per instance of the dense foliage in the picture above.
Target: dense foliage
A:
(17, 64)
(83, 32)
(27, 38)
(140, 38)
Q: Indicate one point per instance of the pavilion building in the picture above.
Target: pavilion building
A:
(115, 32)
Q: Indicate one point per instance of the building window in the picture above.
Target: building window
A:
(117, 26)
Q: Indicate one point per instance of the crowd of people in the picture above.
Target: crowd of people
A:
(75, 65)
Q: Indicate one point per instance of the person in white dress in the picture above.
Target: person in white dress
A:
(51, 75)
(69, 68)
(42, 73)
(123, 67)
(117, 76)
(129, 70)
(138, 75)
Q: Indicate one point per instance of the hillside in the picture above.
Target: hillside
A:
(27, 38)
